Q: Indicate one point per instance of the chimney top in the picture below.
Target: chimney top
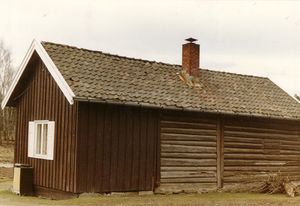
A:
(190, 62)
(191, 40)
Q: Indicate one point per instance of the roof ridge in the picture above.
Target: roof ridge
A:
(150, 61)
(114, 55)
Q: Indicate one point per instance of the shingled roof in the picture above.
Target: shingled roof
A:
(101, 77)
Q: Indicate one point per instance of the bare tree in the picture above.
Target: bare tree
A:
(7, 116)
(6, 70)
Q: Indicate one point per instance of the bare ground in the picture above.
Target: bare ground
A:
(209, 199)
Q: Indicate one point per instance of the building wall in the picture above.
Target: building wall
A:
(202, 151)
(122, 148)
(188, 150)
(256, 148)
(117, 148)
(39, 98)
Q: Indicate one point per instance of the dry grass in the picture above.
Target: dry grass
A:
(6, 174)
(274, 184)
(6, 156)
(268, 183)
(6, 153)
(209, 199)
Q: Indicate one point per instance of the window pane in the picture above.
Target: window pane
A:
(45, 135)
(38, 138)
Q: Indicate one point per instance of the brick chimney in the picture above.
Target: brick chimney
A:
(190, 57)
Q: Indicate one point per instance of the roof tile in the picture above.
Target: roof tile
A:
(95, 75)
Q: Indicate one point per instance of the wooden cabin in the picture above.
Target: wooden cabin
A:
(89, 121)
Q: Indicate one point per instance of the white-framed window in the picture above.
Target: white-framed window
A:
(41, 139)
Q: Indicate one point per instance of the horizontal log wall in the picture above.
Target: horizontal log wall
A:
(117, 148)
(188, 150)
(39, 98)
(254, 149)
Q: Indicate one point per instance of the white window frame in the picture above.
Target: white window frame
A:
(32, 139)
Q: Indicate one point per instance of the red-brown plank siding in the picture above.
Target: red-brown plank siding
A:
(117, 148)
(41, 99)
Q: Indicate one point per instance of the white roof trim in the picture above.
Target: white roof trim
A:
(61, 82)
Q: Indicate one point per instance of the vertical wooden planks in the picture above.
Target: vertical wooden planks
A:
(56, 140)
(42, 99)
(120, 176)
(91, 145)
(125, 151)
(45, 90)
(143, 150)
(114, 153)
(129, 150)
(82, 149)
(51, 111)
(107, 150)
(61, 140)
(99, 156)
(16, 146)
(69, 183)
(151, 152)
(136, 150)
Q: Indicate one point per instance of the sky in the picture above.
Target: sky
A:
(260, 38)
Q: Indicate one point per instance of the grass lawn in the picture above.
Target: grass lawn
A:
(8, 198)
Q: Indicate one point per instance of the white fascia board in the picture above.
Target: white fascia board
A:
(61, 82)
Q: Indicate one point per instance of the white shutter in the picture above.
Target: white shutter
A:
(50, 143)
(31, 139)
